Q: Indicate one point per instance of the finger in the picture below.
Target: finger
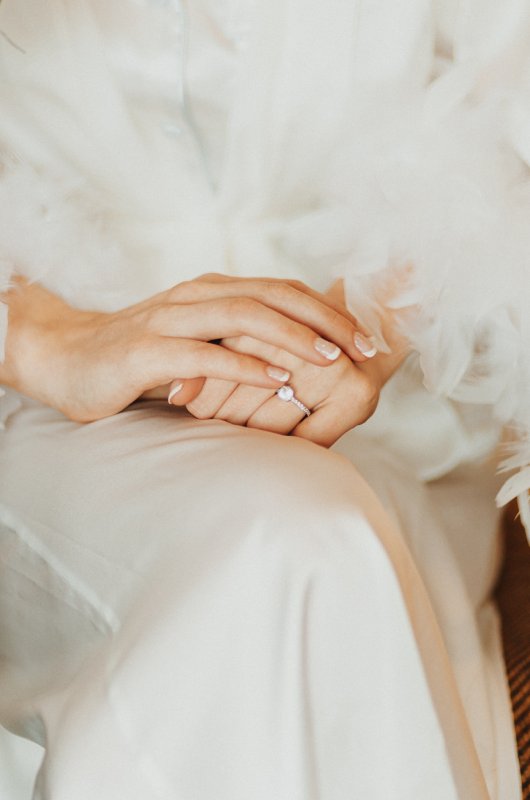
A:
(289, 298)
(157, 361)
(182, 391)
(243, 316)
(331, 419)
(243, 402)
(210, 399)
(328, 299)
(277, 416)
(332, 298)
(324, 427)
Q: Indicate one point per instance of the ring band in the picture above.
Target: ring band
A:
(286, 393)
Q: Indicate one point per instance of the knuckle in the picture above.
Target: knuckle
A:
(181, 292)
(242, 363)
(210, 276)
(337, 318)
(367, 393)
(298, 286)
(285, 290)
(236, 343)
(339, 323)
(276, 289)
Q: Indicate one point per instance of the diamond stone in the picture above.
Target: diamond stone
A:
(285, 393)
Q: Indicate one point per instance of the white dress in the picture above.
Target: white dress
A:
(191, 609)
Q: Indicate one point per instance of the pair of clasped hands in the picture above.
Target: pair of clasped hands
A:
(218, 345)
(270, 333)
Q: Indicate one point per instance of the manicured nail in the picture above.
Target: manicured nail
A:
(364, 345)
(175, 390)
(327, 349)
(278, 374)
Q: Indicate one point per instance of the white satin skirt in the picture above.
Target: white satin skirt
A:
(197, 611)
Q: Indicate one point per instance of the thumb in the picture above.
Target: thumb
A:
(183, 390)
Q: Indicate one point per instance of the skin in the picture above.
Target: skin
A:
(91, 365)
(341, 396)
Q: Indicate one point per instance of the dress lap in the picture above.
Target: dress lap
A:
(225, 609)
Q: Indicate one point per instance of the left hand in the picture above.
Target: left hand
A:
(340, 396)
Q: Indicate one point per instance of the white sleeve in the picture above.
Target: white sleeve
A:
(50, 230)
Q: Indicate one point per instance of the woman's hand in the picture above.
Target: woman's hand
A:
(340, 397)
(91, 364)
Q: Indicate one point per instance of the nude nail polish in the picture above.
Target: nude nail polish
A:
(364, 345)
(175, 390)
(278, 374)
(327, 349)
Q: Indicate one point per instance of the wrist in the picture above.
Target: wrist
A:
(39, 336)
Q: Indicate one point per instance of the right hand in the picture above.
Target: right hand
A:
(91, 365)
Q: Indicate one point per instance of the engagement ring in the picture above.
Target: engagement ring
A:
(286, 393)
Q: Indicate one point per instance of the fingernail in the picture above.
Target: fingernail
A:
(278, 374)
(327, 349)
(364, 345)
(174, 391)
